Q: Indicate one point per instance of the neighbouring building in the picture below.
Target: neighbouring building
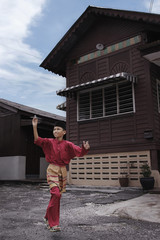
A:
(111, 61)
(20, 158)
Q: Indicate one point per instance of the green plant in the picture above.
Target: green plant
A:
(146, 170)
(124, 170)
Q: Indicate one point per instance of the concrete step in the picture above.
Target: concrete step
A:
(154, 191)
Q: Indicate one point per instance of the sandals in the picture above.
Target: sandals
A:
(47, 223)
(52, 229)
(55, 229)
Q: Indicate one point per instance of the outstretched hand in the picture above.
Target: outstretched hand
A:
(34, 121)
(86, 145)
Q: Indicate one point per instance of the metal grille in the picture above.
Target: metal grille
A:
(105, 169)
(97, 103)
(84, 106)
(125, 97)
(107, 101)
(110, 94)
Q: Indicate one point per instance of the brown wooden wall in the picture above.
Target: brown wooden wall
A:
(10, 135)
(17, 140)
(118, 133)
(155, 75)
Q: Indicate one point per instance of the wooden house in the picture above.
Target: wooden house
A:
(111, 61)
(20, 158)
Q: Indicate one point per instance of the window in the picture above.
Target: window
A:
(107, 101)
(125, 97)
(110, 96)
(97, 103)
(84, 106)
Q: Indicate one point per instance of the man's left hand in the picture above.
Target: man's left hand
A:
(86, 145)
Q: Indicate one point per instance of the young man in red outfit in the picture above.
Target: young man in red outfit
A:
(58, 152)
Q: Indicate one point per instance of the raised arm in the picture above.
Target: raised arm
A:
(79, 151)
(35, 131)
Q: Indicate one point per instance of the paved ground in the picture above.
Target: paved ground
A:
(86, 214)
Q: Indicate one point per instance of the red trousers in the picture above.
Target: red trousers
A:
(53, 209)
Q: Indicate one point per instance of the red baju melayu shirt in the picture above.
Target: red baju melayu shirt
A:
(59, 152)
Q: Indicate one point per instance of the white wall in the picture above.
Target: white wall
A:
(12, 168)
(156, 175)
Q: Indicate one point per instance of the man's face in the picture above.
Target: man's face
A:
(58, 132)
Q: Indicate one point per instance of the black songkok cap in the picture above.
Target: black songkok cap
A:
(60, 124)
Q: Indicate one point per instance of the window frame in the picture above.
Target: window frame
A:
(103, 100)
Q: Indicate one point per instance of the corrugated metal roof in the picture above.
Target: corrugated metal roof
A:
(62, 106)
(31, 110)
(109, 79)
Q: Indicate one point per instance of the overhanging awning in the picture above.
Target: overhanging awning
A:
(62, 106)
(70, 91)
(151, 52)
(153, 57)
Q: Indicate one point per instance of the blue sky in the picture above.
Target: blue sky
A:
(29, 30)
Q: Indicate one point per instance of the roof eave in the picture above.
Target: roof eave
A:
(56, 59)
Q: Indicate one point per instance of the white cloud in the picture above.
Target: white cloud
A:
(153, 5)
(20, 74)
(31, 86)
(16, 18)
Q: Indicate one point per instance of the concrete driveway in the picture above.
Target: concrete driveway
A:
(86, 214)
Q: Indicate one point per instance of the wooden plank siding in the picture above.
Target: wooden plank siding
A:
(16, 133)
(141, 96)
(118, 141)
(10, 130)
(102, 67)
(72, 126)
(72, 74)
(117, 133)
(155, 75)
